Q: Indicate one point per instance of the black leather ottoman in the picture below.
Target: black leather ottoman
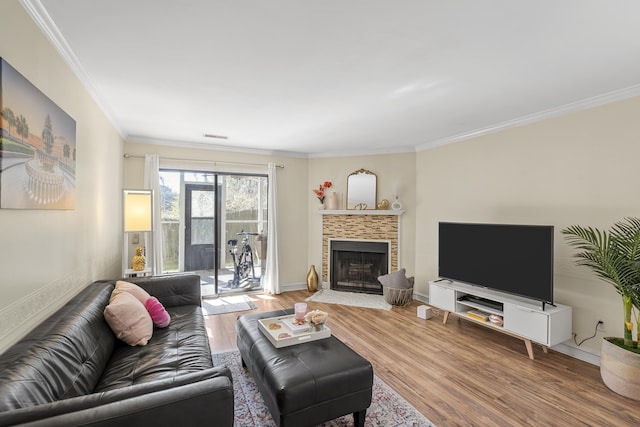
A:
(305, 384)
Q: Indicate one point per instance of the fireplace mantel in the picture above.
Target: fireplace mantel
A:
(362, 212)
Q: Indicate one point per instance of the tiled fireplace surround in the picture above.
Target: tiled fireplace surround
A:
(360, 225)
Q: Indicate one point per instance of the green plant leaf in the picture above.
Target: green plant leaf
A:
(614, 256)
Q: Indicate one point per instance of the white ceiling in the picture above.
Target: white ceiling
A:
(338, 77)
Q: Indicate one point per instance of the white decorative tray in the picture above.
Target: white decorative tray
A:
(282, 331)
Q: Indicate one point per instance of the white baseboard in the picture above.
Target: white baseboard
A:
(577, 353)
(301, 287)
(421, 298)
(293, 287)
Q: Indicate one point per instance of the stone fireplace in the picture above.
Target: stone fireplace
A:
(377, 227)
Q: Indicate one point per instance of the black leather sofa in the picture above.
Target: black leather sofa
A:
(71, 370)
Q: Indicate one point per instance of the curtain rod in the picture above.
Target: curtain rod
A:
(131, 156)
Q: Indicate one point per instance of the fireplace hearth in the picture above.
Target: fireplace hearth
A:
(356, 264)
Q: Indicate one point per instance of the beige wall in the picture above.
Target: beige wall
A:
(47, 256)
(577, 169)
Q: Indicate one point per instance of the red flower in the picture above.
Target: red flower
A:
(320, 191)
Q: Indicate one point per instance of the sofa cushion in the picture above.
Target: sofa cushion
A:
(172, 290)
(158, 313)
(180, 348)
(62, 357)
(129, 319)
(130, 288)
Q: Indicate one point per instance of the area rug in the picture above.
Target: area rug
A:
(227, 305)
(350, 298)
(387, 407)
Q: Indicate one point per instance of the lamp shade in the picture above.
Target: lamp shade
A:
(138, 210)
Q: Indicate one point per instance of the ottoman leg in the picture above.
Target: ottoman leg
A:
(358, 418)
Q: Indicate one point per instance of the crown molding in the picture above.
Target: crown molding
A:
(363, 152)
(43, 20)
(295, 154)
(207, 146)
(596, 101)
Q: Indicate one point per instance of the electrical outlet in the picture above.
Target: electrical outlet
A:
(600, 326)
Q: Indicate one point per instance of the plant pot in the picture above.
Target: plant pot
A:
(620, 369)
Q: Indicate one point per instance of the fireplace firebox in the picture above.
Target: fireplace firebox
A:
(355, 265)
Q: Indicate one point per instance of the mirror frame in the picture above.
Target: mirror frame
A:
(362, 194)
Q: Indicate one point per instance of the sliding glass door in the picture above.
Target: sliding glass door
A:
(216, 226)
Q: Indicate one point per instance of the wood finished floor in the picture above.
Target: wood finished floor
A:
(460, 374)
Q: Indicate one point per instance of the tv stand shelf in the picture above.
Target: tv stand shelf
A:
(522, 318)
(484, 304)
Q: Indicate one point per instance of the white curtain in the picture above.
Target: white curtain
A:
(152, 182)
(271, 279)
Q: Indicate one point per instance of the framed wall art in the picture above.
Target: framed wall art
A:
(37, 147)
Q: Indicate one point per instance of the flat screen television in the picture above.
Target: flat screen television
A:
(517, 259)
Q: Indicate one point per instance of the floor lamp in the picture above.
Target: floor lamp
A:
(138, 227)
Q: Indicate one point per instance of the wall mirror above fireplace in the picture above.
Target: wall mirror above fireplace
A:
(361, 190)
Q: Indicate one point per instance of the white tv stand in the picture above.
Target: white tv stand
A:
(522, 318)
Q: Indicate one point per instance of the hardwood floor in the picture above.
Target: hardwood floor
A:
(460, 374)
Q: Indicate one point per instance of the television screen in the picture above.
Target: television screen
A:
(517, 259)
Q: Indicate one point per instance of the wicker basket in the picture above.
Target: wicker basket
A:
(395, 296)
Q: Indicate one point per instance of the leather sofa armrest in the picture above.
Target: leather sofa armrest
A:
(172, 290)
(199, 404)
(191, 399)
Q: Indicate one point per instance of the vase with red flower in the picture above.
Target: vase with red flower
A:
(320, 192)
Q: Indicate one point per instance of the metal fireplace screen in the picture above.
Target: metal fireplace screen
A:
(356, 265)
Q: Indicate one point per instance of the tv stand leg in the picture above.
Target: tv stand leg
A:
(527, 343)
(445, 317)
(545, 349)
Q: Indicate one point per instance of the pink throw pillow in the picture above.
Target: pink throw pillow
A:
(157, 311)
(129, 319)
(133, 289)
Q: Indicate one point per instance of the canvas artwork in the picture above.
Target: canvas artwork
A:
(37, 147)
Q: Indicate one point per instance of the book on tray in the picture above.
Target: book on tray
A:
(296, 326)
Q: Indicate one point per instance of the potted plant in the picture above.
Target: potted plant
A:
(614, 256)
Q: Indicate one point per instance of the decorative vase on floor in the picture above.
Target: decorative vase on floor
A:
(312, 279)
(332, 201)
(620, 369)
